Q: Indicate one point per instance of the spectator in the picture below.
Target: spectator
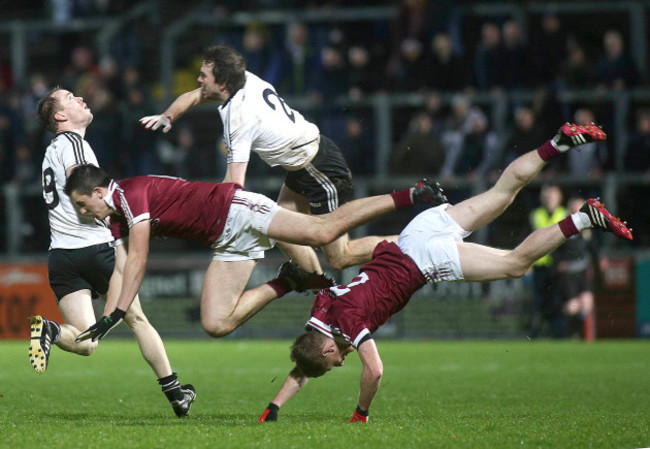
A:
(548, 50)
(260, 55)
(412, 75)
(592, 158)
(419, 151)
(445, 71)
(300, 58)
(81, 64)
(616, 69)
(525, 134)
(576, 72)
(138, 157)
(574, 277)
(362, 75)
(173, 155)
(637, 156)
(357, 146)
(544, 306)
(467, 139)
(489, 59)
(516, 66)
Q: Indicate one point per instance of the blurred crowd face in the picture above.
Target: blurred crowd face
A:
(524, 118)
(551, 197)
(643, 124)
(442, 46)
(490, 34)
(613, 43)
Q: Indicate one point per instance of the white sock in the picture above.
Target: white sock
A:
(581, 220)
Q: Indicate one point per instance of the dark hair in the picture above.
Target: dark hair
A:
(84, 178)
(306, 352)
(228, 66)
(47, 107)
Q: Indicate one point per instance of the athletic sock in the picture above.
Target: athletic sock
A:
(402, 198)
(548, 151)
(277, 285)
(56, 331)
(171, 387)
(568, 226)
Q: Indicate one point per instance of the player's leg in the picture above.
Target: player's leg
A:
(480, 210)
(482, 263)
(224, 303)
(343, 252)
(305, 256)
(181, 397)
(320, 230)
(78, 315)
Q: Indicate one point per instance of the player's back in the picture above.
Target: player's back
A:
(257, 119)
(68, 229)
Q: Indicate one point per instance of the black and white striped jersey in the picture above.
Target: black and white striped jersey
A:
(68, 229)
(257, 119)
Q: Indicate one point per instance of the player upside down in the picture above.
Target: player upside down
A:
(431, 249)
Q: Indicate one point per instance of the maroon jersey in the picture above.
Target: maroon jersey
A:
(384, 286)
(175, 207)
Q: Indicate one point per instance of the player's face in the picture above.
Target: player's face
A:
(210, 90)
(337, 356)
(91, 205)
(73, 109)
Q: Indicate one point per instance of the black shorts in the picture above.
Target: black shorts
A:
(71, 270)
(326, 182)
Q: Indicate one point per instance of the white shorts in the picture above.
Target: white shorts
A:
(430, 240)
(244, 236)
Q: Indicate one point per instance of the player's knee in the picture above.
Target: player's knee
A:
(218, 328)
(86, 348)
(338, 261)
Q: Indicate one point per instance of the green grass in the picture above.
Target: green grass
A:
(505, 394)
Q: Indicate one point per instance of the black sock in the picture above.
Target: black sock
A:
(171, 387)
(56, 331)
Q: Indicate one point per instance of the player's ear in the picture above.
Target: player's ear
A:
(328, 347)
(98, 190)
(60, 116)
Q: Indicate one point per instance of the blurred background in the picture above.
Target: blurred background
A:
(451, 90)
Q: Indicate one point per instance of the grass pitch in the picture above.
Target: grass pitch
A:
(505, 394)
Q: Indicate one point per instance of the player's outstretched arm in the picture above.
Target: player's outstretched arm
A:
(180, 106)
(134, 269)
(294, 382)
(371, 373)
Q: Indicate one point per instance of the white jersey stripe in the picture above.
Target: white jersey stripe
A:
(75, 140)
(326, 184)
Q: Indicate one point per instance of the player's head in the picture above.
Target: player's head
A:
(62, 110)
(84, 178)
(47, 107)
(315, 353)
(86, 186)
(222, 65)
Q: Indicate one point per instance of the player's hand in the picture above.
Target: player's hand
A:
(102, 327)
(359, 415)
(153, 122)
(270, 414)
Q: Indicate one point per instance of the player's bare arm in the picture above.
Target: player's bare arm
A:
(134, 269)
(136, 263)
(236, 172)
(370, 374)
(294, 382)
(180, 106)
(115, 285)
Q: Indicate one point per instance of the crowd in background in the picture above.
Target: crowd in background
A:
(428, 48)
